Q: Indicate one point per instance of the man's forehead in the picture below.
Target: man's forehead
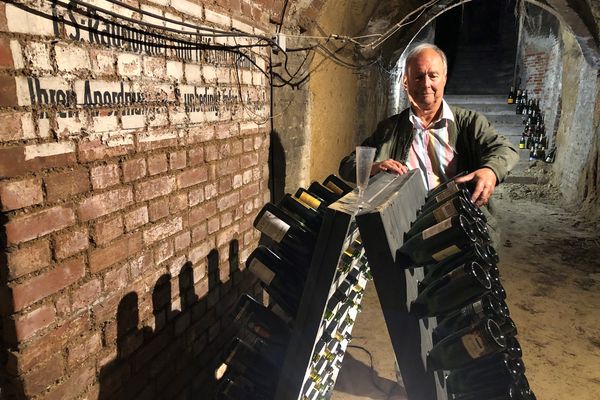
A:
(425, 60)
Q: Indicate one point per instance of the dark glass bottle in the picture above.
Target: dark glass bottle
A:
(337, 185)
(513, 391)
(302, 212)
(508, 327)
(437, 242)
(237, 387)
(450, 208)
(242, 359)
(260, 320)
(452, 291)
(312, 200)
(474, 252)
(511, 96)
(288, 304)
(522, 142)
(291, 234)
(323, 192)
(462, 347)
(481, 230)
(487, 306)
(273, 272)
(498, 374)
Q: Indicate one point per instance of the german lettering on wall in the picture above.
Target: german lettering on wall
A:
(133, 159)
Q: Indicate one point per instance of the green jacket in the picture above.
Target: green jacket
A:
(471, 135)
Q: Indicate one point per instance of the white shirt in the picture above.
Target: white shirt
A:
(430, 150)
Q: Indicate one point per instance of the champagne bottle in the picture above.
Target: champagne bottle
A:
(522, 142)
(273, 270)
(323, 192)
(337, 185)
(444, 196)
(487, 306)
(452, 291)
(450, 208)
(286, 303)
(508, 327)
(481, 231)
(511, 96)
(448, 184)
(475, 252)
(498, 374)
(513, 391)
(238, 388)
(462, 347)
(260, 320)
(437, 242)
(291, 234)
(246, 361)
(312, 200)
(302, 212)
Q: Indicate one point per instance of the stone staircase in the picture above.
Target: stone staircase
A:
(507, 123)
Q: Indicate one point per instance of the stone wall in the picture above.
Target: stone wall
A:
(134, 159)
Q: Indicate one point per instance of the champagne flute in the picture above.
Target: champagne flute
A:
(364, 162)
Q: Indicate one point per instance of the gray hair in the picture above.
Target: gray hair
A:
(419, 49)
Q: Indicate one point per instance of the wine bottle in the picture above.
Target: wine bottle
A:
(337, 185)
(302, 212)
(323, 192)
(474, 252)
(286, 303)
(513, 391)
(246, 361)
(452, 291)
(284, 229)
(312, 200)
(462, 347)
(498, 374)
(448, 184)
(437, 242)
(487, 306)
(273, 271)
(260, 320)
(450, 208)
(522, 142)
(238, 388)
(508, 327)
(481, 231)
(511, 96)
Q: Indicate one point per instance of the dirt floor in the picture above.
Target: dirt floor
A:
(550, 268)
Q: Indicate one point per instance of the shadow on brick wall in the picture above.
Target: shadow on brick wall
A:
(277, 170)
(11, 387)
(175, 359)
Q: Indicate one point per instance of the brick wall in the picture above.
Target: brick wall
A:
(131, 174)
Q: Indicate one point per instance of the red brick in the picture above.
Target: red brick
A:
(64, 185)
(248, 144)
(96, 150)
(11, 127)
(29, 259)
(51, 343)
(37, 381)
(157, 164)
(249, 191)
(226, 219)
(19, 194)
(119, 251)
(32, 226)
(104, 176)
(228, 201)
(86, 294)
(230, 166)
(72, 242)
(105, 203)
(134, 170)
(80, 352)
(196, 156)
(227, 235)
(178, 203)
(195, 197)
(154, 188)
(249, 160)
(107, 231)
(76, 383)
(182, 241)
(163, 252)
(192, 177)
(225, 184)
(199, 232)
(8, 92)
(210, 191)
(136, 218)
(6, 60)
(203, 212)
(27, 325)
(48, 283)
(117, 278)
(213, 225)
(14, 162)
(163, 230)
(178, 160)
(158, 209)
(211, 153)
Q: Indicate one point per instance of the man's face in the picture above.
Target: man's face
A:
(425, 80)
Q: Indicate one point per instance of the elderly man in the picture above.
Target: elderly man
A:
(439, 139)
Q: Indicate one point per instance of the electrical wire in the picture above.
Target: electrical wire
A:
(373, 374)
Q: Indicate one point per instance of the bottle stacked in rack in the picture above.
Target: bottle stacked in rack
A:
(475, 337)
(251, 364)
(534, 136)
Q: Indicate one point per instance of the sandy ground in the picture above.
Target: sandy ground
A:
(550, 268)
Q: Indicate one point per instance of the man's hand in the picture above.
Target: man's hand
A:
(389, 165)
(485, 182)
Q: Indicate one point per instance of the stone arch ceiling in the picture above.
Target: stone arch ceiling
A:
(401, 20)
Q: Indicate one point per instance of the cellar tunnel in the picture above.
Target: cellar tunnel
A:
(140, 139)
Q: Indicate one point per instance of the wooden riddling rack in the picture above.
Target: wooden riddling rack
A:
(393, 202)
